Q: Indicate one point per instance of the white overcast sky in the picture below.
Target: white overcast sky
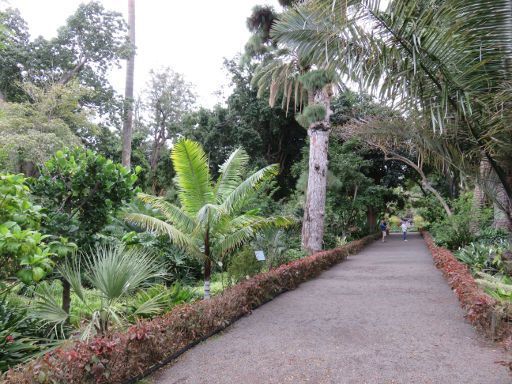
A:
(191, 37)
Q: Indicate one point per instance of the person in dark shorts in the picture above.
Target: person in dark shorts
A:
(383, 228)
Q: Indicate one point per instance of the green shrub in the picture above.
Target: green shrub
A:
(490, 235)
(244, 265)
(22, 246)
(453, 232)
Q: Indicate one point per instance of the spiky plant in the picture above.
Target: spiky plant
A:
(115, 273)
(213, 218)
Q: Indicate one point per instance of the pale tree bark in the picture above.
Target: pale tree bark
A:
(479, 194)
(128, 92)
(502, 207)
(314, 209)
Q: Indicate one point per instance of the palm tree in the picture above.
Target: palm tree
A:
(116, 273)
(213, 219)
(445, 59)
(289, 77)
(128, 93)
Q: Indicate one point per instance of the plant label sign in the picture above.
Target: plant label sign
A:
(260, 255)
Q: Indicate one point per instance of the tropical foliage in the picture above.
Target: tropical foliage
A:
(214, 218)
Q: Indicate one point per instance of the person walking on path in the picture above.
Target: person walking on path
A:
(404, 229)
(383, 228)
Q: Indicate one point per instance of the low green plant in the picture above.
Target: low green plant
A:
(20, 336)
(481, 257)
(116, 273)
(244, 265)
(499, 287)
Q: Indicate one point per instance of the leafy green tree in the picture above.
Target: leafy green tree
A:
(80, 190)
(168, 98)
(14, 39)
(213, 219)
(22, 246)
(270, 135)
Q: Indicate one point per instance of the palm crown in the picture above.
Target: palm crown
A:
(213, 218)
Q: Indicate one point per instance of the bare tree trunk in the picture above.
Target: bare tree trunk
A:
(314, 210)
(128, 92)
(207, 265)
(66, 296)
(502, 209)
(478, 203)
(479, 194)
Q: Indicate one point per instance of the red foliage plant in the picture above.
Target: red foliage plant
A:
(126, 355)
(482, 310)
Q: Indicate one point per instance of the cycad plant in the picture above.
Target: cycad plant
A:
(214, 218)
(115, 273)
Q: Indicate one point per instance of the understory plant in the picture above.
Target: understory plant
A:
(214, 218)
(116, 273)
(21, 336)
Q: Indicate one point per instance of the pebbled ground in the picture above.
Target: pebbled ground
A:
(385, 315)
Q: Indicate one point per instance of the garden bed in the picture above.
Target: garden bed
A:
(127, 356)
(483, 311)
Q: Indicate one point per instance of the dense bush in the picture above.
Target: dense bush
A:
(126, 355)
(454, 232)
(244, 265)
(22, 249)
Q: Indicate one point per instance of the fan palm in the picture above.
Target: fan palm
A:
(213, 219)
(445, 59)
(115, 273)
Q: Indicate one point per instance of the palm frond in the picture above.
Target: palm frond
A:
(172, 213)
(246, 230)
(192, 175)
(231, 173)
(71, 272)
(48, 309)
(154, 225)
(116, 271)
(235, 200)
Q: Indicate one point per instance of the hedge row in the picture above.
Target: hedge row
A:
(125, 356)
(482, 310)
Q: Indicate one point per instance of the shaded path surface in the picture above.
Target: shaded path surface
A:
(385, 315)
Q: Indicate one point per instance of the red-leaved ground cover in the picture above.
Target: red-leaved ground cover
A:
(126, 355)
(483, 311)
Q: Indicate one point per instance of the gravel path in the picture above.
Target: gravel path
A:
(385, 315)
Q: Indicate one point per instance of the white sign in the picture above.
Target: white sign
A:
(260, 255)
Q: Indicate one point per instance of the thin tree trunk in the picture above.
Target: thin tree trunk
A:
(207, 276)
(207, 265)
(314, 210)
(66, 296)
(128, 92)
(478, 203)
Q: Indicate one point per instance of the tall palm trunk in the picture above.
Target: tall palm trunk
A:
(128, 93)
(314, 210)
